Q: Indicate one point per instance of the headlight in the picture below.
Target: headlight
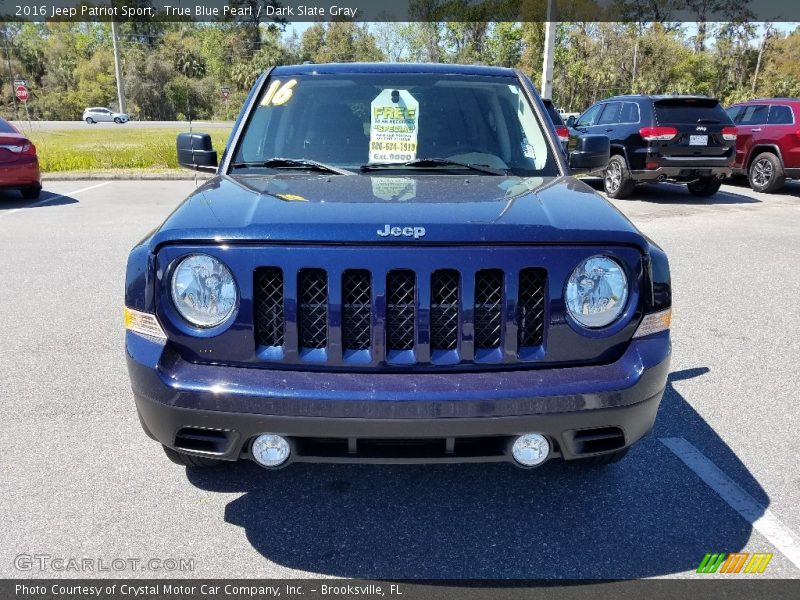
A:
(203, 290)
(597, 292)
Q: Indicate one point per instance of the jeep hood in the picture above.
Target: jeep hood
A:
(453, 209)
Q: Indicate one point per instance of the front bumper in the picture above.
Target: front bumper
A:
(345, 417)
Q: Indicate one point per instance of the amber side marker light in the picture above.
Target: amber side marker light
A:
(654, 323)
(145, 325)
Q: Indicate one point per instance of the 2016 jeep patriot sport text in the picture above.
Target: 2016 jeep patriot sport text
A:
(393, 264)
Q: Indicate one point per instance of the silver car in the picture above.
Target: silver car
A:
(100, 115)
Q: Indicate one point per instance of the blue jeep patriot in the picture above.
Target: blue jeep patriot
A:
(393, 263)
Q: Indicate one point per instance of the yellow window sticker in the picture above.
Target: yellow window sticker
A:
(394, 124)
(278, 93)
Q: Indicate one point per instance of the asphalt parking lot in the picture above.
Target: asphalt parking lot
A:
(718, 474)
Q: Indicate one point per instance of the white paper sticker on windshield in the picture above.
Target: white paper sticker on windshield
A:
(394, 123)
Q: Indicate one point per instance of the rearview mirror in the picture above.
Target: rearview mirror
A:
(590, 153)
(195, 151)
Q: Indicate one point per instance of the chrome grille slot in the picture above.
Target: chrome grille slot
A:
(359, 318)
(268, 307)
(444, 309)
(356, 309)
(312, 291)
(400, 309)
(488, 308)
(530, 307)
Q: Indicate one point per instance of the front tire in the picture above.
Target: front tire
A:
(190, 460)
(117, 120)
(704, 188)
(766, 173)
(617, 181)
(89, 121)
(31, 193)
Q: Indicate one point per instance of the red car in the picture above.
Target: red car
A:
(767, 142)
(19, 165)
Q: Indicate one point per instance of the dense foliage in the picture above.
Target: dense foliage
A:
(172, 70)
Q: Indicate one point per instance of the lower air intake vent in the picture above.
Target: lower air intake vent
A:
(213, 441)
(601, 439)
(400, 315)
(312, 291)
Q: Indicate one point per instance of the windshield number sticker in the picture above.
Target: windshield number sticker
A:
(278, 94)
(394, 124)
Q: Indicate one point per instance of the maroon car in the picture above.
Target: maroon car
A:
(767, 142)
(19, 165)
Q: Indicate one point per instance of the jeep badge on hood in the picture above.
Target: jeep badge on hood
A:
(415, 232)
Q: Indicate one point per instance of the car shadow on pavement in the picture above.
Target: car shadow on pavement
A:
(12, 199)
(673, 193)
(790, 188)
(647, 515)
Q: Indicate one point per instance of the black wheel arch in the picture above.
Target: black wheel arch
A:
(760, 148)
(620, 150)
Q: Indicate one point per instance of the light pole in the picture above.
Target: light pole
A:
(118, 67)
(549, 51)
(10, 73)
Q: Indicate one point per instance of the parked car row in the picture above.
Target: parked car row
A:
(692, 140)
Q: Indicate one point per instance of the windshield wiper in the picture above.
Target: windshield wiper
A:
(292, 163)
(701, 120)
(429, 163)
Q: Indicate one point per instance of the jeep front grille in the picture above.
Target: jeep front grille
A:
(312, 286)
(356, 309)
(444, 310)
(488, 308)
(530, 308)
(399, 316)
(401, 311)
(269, 307)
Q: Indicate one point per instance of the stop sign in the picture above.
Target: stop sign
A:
(21, 92)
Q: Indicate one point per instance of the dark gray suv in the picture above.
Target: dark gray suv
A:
(687, 139)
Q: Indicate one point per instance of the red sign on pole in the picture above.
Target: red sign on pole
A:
(21, 92)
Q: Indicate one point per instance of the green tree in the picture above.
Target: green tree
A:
(339, 41)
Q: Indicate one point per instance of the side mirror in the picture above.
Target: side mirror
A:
(571, 120)
(195, 152)
(590, 153)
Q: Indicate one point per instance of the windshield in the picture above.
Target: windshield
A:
(690, 110)
(383, 120)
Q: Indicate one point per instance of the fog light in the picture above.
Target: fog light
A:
(530, 449)
(270, 450)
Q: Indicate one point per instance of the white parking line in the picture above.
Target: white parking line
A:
(760, 517)
(51, 199)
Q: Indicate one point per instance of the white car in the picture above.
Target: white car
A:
(100, 115)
